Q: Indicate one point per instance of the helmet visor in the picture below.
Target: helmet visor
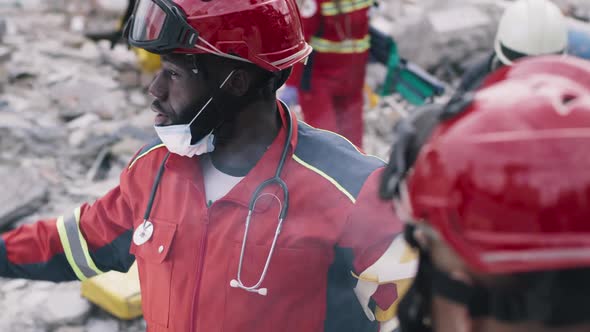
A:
(148, 21)
(159, 26)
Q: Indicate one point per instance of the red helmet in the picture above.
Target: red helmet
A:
(267, 33)
(506, 181)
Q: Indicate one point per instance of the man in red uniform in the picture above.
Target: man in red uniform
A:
(240, 217)
(331, 84)
(495, 190)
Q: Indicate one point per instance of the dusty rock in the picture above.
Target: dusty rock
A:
(138, 98)
(72, 329)
(127, 147)
(129, 78)
(22, 193)
(64, 305)
(437, 34)
(2, 28)
(102, 325)
(83, 122)
(13, 285)
(5, 52)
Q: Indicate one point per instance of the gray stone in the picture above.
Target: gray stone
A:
(144, 120)
(101, 165)
(138, 98)
(129, 78)
(79, 137)
(121, 58)
(20, 324)
(71, 329)
(13, 120)
(14, 284)
(34, 298)
(83, 122)
(23, 193)
(115, 6)
(102, 325)
(2, 28)
(439, 33)
(64, 305)
(93, 190)
(88, 96)
(127, 147)
(457, 19)
(5, 53)
(137, 325)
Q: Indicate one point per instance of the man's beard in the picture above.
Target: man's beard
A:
(219, 116)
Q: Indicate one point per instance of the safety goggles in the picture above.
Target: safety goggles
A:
(514, 55)
(159, 26)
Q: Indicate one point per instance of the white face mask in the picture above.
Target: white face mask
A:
(177, 138)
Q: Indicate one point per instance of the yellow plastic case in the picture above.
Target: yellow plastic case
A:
(116, 292)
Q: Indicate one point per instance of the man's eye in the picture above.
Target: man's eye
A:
(173, 74)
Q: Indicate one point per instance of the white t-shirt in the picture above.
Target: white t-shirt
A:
(217, 184)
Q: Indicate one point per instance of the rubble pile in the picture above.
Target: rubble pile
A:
(72, 114)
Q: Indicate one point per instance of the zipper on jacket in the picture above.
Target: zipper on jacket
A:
(202, 251)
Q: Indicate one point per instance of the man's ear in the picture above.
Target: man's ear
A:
(239, 83)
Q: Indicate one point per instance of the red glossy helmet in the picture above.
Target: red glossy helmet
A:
(267, 33)
(506, 181)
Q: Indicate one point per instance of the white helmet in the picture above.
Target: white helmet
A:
(530, 27)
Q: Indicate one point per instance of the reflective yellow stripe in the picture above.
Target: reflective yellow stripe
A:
(143, 154)
(327, 177)
(344, 6)
(61, 229)
(75, 247)
(346, 46)
(89, 260)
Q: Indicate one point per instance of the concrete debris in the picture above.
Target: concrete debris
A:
(102, 325)
(100, 167)
(2, 29)
(69, 123)
(78, 328)
(64, 305)
(22, 193)
(439, 35)
(13, 285)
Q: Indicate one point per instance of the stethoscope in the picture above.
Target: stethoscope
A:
(145, 231)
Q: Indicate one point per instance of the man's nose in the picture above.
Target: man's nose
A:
(158, 87)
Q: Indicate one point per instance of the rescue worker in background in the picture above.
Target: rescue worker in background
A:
(241, 218)
(526, 28)
(330, 86)
(495, 193)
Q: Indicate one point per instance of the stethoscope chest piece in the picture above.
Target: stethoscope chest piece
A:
(143, 233)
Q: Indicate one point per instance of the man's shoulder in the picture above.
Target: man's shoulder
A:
(147, 150)
(335, 158)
